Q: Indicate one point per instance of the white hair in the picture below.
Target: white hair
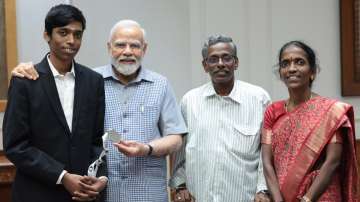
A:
(125, 24)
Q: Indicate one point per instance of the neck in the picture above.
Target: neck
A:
(125, 79)
(223, 89)
(62, 66)
(297, 97)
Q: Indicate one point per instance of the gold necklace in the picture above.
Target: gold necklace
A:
(288, 102)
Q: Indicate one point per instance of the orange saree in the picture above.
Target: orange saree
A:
(298, 139)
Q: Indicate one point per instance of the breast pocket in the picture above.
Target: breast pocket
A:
(245, 140)
(149, 119)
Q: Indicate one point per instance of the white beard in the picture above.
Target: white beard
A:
(125, 69)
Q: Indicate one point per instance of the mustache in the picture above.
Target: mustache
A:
(221, 70)
(126, 58)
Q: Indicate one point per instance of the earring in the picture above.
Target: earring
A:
(312, 78)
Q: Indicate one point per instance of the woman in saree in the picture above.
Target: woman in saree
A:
(308, 140)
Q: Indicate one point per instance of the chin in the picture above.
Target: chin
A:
(296, 86)
(222, 80)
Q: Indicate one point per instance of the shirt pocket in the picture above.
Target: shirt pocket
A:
(149, 120)
(246, 140)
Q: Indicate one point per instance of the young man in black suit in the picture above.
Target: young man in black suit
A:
(53, 125)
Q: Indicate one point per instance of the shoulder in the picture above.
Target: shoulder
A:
(88, 71)
(197, 92)
(336, 104)
(276, 106)
(250, 88)
(252, 91)
(154, 76)
(102, 69)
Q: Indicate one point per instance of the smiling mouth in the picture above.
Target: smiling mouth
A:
(221, 72)
(293, 77)
(69, 50)
(127, 61)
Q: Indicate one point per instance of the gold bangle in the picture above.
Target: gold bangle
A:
(305, 199)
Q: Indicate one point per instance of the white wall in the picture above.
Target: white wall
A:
(176, 30)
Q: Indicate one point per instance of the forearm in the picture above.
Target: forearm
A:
(178, 176)
(269, 173)
(327, 171)
(272, 183)
(35, 163)
(322, 181)
(166, 145)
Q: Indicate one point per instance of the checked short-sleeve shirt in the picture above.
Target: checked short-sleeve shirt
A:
(143, 110)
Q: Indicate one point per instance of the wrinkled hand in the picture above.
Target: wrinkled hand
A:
(25, 70)
(183, 195)
(73, 185)
(261, 197)
(91, 187)
(132, 148)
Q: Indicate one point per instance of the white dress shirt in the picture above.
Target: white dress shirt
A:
(65, 85)
(223, 144)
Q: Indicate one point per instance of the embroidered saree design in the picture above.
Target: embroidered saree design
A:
(298, 139)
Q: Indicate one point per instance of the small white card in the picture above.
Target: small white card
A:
(113, 136)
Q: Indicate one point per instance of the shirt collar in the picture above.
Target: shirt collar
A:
(54, 71)
(235, 93)
(144, 74)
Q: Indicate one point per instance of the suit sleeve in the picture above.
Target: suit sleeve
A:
(28, 159)
(97, 146)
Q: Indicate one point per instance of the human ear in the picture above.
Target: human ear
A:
(46, 36)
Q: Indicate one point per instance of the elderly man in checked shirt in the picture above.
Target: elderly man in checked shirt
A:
(221, 159)
(141, 106)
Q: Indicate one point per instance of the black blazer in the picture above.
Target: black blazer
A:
(38, 140)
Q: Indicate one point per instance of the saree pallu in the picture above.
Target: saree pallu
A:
(298, 140)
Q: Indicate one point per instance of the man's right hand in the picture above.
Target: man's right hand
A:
(26, 70)
(73, 184)
(183, 195)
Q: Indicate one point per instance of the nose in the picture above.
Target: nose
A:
(127, 50)
(221, 62)
(292, 67)
(70, 39)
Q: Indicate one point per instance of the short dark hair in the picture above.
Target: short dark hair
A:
(214, 39)
(310, 55)
(62, 15)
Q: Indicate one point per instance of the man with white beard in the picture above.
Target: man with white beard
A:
(141, 106)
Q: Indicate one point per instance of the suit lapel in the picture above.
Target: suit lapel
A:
(78, 98)
(49, 86)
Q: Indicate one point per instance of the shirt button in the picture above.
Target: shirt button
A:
(125, 115)
(124, 131)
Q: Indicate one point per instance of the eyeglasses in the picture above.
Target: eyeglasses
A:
(226, 60)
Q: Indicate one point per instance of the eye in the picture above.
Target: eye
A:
(212, 60)
(300, 62)
(284, 63)
(62, 32)
(78, 35)
(120, 45)
(227, 58)
(135, 46)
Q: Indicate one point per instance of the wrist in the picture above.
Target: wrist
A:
(150, 150)
(305, 199)
(264, 191)
(180, 187)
